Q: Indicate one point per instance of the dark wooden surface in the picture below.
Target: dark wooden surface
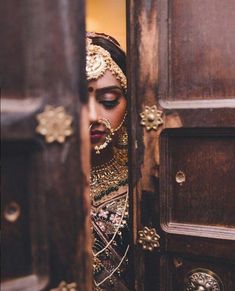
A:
(142, 51)
(16, 255)
(181, 59)
(200, 50)
(44, 63)
(206, 157)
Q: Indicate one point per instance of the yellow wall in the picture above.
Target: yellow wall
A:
(107, 16)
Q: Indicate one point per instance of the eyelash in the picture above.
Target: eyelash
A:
(110, 103)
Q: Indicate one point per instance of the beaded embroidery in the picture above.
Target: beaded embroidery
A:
(110, 223)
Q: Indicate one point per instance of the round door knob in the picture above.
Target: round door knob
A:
(203, 280)
(12, 211)
(180, 177)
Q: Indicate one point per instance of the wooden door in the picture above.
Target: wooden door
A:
(45, 205)
(181, 59)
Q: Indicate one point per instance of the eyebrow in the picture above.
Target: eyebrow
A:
(107, 89)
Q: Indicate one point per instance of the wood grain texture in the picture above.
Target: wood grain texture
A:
(50, 51)
(142, 50)
(196, 84)
(174, 267)
(197, 61)
(180, 59)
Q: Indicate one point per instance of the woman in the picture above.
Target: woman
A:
(109, 186)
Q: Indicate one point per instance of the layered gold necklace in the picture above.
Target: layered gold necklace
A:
(109, 177)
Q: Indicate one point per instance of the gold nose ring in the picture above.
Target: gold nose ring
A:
(108, 137)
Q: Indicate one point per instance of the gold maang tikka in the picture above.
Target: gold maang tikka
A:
(98, 61)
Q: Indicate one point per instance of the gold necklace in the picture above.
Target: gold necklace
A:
(109, 177)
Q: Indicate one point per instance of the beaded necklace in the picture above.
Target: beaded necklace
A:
(109, 177)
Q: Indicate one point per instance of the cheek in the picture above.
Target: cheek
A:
(116, 115)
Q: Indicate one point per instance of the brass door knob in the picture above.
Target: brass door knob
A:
(203, 280)
(180, 177)
(12, 212)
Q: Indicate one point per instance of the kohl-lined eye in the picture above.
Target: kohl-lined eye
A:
(110, 99)
(109, 103)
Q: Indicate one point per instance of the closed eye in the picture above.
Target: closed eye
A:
(109, 103)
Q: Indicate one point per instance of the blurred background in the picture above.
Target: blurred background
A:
(107, 16)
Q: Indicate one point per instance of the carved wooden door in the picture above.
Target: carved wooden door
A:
(45, 168)
(181, 58)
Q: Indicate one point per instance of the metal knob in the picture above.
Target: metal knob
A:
(203, 280)
(180, 177)
(12, 211)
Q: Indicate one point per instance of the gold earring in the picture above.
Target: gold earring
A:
(122, 138)
(121, 124)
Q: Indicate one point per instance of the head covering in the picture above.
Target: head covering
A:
(104, 53)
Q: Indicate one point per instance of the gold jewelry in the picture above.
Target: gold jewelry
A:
(108, 137)
(122, 137)
(109, 177)
(122, 134)
(120, 125)
(98, 61)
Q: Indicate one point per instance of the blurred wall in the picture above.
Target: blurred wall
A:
(108, 16)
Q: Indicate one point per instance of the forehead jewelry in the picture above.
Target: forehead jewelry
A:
(98, 61)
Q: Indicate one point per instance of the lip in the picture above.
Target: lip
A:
(96, 135)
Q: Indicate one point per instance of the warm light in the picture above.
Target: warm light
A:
(107, 16)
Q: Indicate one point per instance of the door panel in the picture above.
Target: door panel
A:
(15, 214)
(25, 250)
(183, 172)
(196, 48)
(198, 182)
(196, 72)
(177, 270)
(45, 211)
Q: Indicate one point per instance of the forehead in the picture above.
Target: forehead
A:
(108, 79)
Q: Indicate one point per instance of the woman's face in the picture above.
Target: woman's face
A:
(106, 101)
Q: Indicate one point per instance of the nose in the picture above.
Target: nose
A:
(93, 110)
